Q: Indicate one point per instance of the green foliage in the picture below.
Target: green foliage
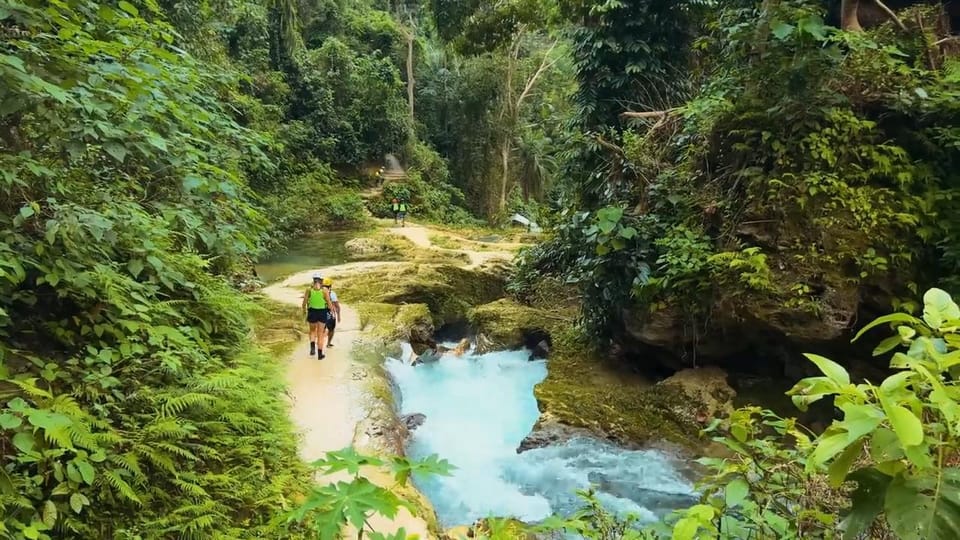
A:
(134, 404)
(328, 509)
(889, 464)
(808, 160)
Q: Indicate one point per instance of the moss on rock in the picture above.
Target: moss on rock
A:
(392, 322)
(448, 291)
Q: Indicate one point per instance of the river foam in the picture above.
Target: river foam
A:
(479, 408)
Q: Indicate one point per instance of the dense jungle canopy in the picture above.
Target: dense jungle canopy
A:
(723, 182)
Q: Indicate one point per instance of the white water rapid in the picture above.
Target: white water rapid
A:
(479, 408)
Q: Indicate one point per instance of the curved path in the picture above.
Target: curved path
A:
(325, 400)
(420, 236)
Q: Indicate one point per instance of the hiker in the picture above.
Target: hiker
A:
(399, 212)
(316, 304)
(334, 317)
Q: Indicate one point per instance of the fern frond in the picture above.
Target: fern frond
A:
(120, 486)
(177, 405)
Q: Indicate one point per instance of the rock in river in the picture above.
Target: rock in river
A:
(413, 421)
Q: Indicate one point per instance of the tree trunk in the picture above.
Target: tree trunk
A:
(505, 159)
(410, 87)
(848, 16)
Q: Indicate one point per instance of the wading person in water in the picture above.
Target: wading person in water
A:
(399, 212)
(316, 304)
(334, 317)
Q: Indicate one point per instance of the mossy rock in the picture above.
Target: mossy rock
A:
(448, 291)
(386, 246)
(392, 322)
(506, 324)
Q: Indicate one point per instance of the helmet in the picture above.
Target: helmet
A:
(317, 276)
(327, 282)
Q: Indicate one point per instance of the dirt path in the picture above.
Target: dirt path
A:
(325, 400)
(421, 237)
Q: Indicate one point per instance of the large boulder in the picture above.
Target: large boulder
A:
(448, 291)
(363, 247)
(706, 393)
(505, 324)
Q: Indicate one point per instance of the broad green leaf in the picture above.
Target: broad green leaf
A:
(9, 421)
(781, 29)
(628, 232)
(86, 470)
(26, 211)
(939, 308)
(891, 318)
(49, 516)
(896, 383)
(610, 214)
(888, 344)
(116, 150)
(866, 501)
(135, 266)
(157, 141)
(925, 506)
(827, 447)
(76, 502)
(736, 491)
(884, 447)
(837, 471)
(859, 420)
(23, 441)
(905, 424)
(129, 8)
(47, 420)
(834, 371)
(814, 26)
(346, 459)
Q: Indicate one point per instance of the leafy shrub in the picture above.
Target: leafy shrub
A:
(900, 440)
(133, 403)
(328, 509)
(343, 210)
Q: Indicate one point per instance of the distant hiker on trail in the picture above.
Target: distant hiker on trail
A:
(316, 304)
(399, 212)
(334, 317)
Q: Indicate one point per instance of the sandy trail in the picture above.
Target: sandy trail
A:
(421, 237)
(325, 400)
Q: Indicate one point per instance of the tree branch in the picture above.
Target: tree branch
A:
(544, 66)
(891, 14)
(648, 114)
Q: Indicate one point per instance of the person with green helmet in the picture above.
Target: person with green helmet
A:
(316, 305)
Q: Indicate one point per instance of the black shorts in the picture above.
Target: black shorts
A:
(331, 321)
(400, 215)
(317, 315)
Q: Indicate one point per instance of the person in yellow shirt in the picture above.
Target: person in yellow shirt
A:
(334, 317)
(316, 305)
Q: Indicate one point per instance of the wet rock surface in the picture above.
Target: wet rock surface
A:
(413, 421)
(550, 431)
